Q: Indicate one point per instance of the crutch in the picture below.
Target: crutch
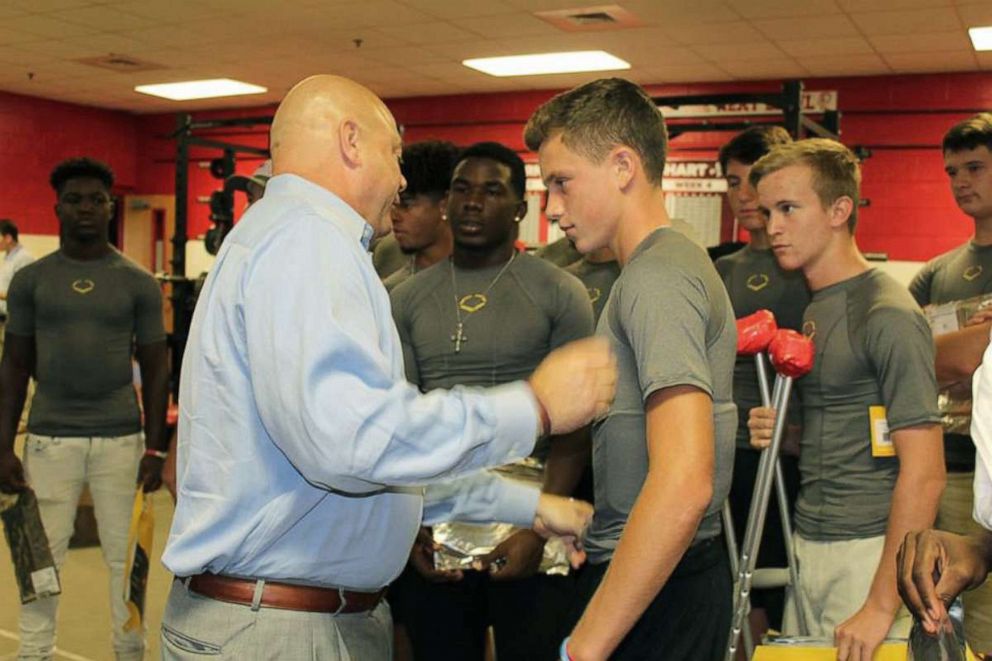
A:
(792, 356)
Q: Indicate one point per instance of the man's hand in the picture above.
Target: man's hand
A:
(935, 567)
(422, 560)
(859, 637)
(761, 421)
(982, 316)
(566, 518)
(576, 383)
(150, 473)
(11, 474)
(518, 556)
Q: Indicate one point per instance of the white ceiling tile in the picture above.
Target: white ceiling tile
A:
(429, 33)
(375, 13)
(481, 48)
(413, 47)
(748, 50)
(714, 33)
(909, 21)
(39, 6)
(60, 49)
(800, 28)
(975, 15)
(105, 18)
(843, 65)
(924, 62)
(881, 5)
(684, 12)
(783, 8)
(679, 73)
(507, 26)
(18, 55)
(36, 26)
(828, 46)
(781, 68)
(936, 41)
(552, 5)
(174, 11)
(445, 9)
(405, 56)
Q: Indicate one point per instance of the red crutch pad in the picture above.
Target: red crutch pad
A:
(755, 332)
(791, 353)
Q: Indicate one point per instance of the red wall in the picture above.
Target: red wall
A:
(35, 134)
(902, 118)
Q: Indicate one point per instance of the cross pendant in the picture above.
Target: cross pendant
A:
(458, 337)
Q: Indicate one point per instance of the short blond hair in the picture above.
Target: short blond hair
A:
(836, 170)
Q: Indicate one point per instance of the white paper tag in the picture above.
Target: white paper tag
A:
(943, 318)
(45, 581)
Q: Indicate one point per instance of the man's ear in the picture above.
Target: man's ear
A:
(841, 210)
(521, 212)
(348, 132)
(623, 163)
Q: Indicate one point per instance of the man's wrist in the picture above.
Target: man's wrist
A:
(158, 454)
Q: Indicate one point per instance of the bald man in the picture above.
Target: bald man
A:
(303, 452)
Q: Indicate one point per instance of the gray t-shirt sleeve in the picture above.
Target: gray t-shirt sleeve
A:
(397, 301)
(573, 317)
(919, 287)
(664, 317)
(148, 324)
(20, 304)
(900, 345)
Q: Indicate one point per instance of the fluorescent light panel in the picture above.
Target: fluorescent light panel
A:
(981, 37)
(200, 89)
(546, 63)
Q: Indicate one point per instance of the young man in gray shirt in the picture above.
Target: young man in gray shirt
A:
(76, 319)
(871, 458)
(419, 223)
(755, 282)
(658, 581)
(485, 317)
(961, 273)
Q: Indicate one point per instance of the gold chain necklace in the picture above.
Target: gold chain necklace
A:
(471, 302)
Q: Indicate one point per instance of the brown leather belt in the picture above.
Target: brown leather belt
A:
(283, 595)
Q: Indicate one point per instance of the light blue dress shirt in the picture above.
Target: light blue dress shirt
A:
(303, 451)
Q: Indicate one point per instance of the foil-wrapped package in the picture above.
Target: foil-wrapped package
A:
(34, 567)
(462, 543)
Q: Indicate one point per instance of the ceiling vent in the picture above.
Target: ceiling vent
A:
(589, 19)
(120, 63)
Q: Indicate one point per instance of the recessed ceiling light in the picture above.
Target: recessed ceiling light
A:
(200, 89)
(545, 63)
(981, 37)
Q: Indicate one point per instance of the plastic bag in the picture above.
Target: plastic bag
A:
(947, 645)
(139, 551)
(34, 567)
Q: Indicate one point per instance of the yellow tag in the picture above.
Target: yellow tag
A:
(881, 442)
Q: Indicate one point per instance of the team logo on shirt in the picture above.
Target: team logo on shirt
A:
(809, 328)
(83, 286)
(473, 302)
(972, 272)
(594, 294)
(757, 281)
